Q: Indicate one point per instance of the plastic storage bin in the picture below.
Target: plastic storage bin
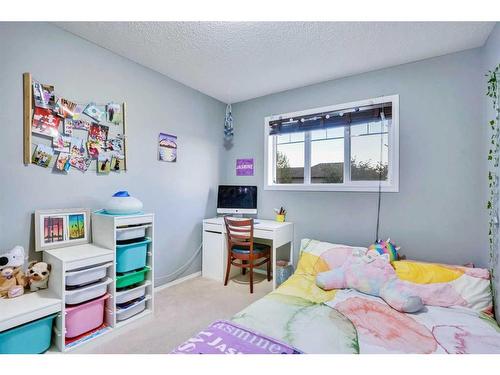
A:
(30, 338)
(127, 295)
(131, 278)
(130, 311)
(87, 292)
(131, 256)
(86, 275)
(123, 234)
(85, 317)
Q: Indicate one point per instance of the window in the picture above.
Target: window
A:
(346, 147)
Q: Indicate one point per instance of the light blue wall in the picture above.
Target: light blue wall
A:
(180, 194)
(439, 213)
(491, 59)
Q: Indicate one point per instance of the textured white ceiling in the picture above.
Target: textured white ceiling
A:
(236, 61)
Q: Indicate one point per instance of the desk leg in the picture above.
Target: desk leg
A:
(273, 259)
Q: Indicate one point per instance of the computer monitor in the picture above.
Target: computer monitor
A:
(236, 199)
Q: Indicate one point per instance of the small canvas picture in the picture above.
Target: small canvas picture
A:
(114, 113)
(104, 163)
(98, 132)
(53, 229)
(65, 108)
(167, 147)
(76, 226)
(43, 95)
(68, 126)
(244, 167)
(94, 111)
(45, 122)
(62, 163)
(42, 156)
(61, 143)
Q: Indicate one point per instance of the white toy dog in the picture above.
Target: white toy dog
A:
(38, 275)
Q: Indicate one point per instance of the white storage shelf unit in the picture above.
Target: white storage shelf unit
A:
(66, 265)
(106, 230)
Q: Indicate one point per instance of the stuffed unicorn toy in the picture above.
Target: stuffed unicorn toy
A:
(373, 274)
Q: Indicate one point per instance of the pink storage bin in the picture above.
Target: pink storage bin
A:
(85, 317)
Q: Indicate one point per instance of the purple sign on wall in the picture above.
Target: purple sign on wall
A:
(244, 167)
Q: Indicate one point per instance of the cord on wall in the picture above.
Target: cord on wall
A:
(182, 268)
(382, 118)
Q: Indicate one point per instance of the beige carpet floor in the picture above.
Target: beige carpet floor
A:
(181, 311)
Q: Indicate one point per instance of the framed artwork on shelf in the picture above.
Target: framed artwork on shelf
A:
(61, 227)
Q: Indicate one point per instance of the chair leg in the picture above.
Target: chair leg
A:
(243, 269)
(251, 276)
(269, 269)
(228, 268)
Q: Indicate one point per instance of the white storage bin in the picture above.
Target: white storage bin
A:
(129, 294)
(123, 314)
(123, 234)
(87, 293)
(86, 275)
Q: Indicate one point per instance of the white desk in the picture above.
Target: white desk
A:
(215, 246)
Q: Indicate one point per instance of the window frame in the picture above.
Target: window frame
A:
(390, 186)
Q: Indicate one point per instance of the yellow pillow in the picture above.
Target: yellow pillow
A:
(425, 273)
(304, 286)
(310, 264)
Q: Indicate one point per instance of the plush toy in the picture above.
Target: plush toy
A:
(375, 276)
(38, 275)
(12, 280)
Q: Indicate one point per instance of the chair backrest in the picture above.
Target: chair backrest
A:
(239, 232)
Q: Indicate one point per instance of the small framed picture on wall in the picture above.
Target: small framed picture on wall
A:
(244, 167)
(61, 227)
(167, 147)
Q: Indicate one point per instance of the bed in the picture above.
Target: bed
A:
(300, 317)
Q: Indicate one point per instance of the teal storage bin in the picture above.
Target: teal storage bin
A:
(30, 338)
(131, 256)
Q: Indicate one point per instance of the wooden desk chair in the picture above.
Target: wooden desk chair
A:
(240, 246)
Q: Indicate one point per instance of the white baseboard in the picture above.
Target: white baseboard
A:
(177, 281)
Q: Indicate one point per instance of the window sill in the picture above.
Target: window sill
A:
(335, 187)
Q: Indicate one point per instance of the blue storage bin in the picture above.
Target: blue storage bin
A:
(131, 256)
(30, 338)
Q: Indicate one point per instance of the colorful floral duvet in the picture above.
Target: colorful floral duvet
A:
(345, 321)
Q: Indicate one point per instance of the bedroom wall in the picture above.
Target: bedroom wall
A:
(491, 59)
(180, 194)
(439, 213)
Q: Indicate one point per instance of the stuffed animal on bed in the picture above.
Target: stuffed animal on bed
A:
(374, 275)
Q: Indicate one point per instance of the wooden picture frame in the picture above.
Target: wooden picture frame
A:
(61, 228)
(28, 119)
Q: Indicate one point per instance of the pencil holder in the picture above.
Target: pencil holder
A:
(280, 218)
